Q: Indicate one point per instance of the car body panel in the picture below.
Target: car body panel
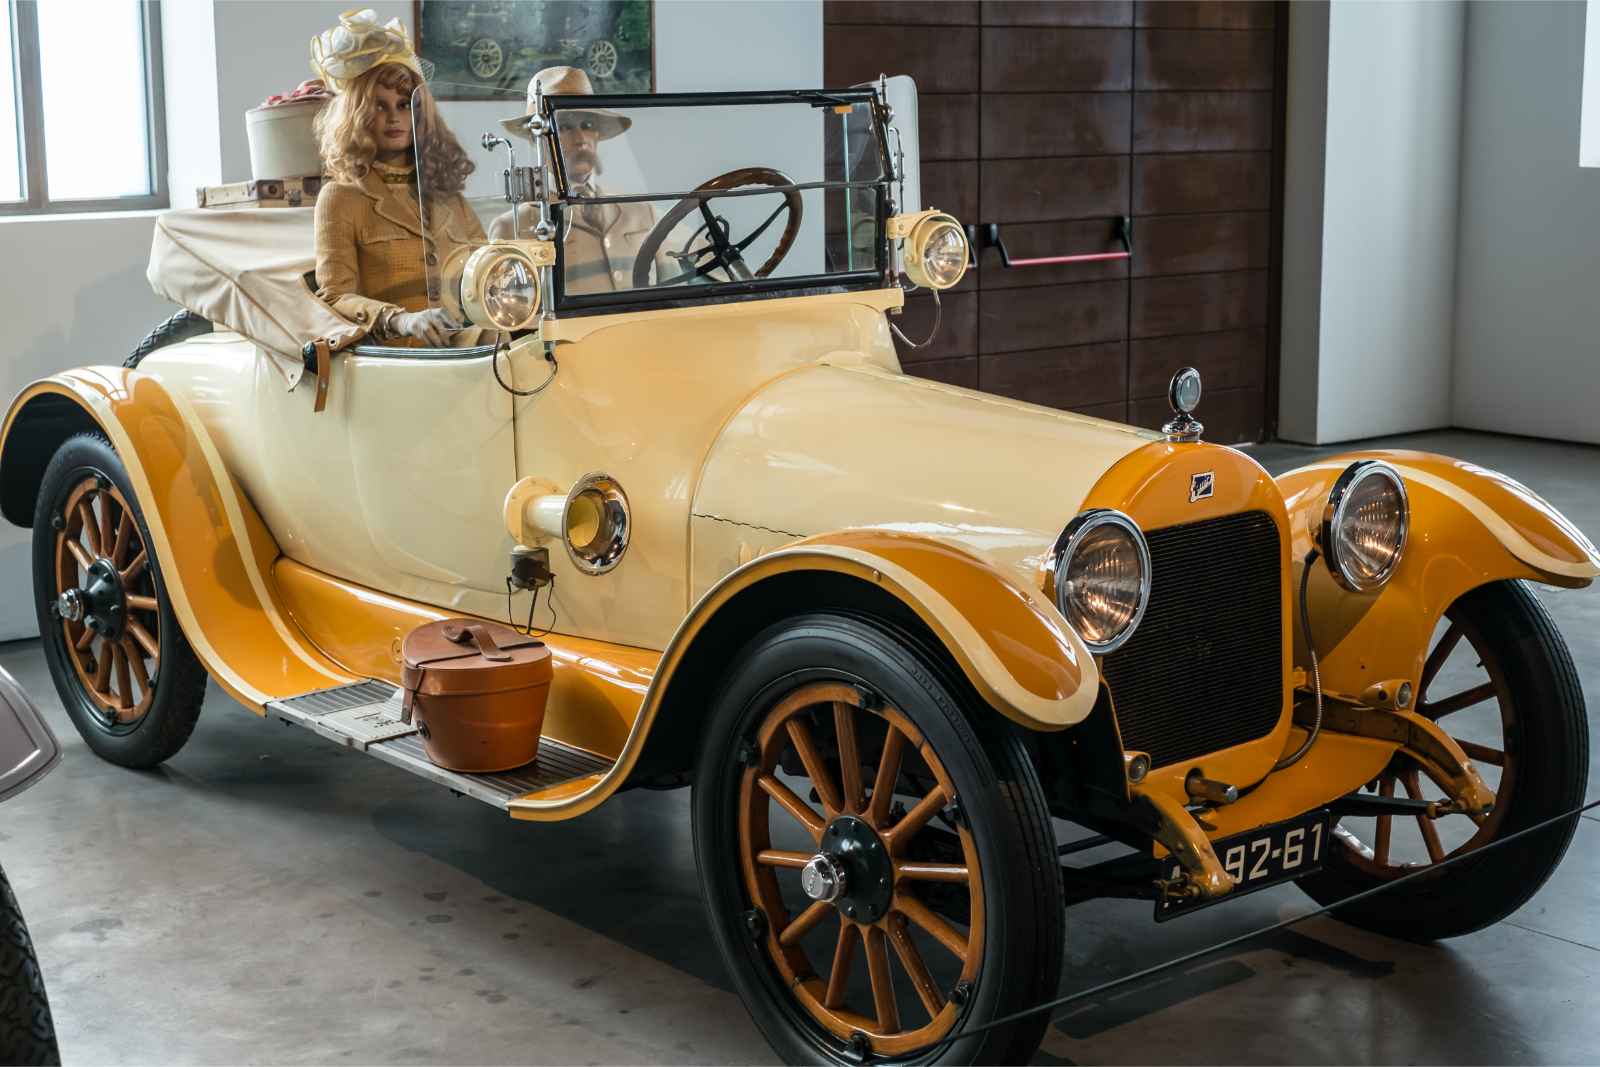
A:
(1469, 526)
(595, 693)
(215, 571)
(1014, 648)
(644, 397)
(849, 447)
(379, 487)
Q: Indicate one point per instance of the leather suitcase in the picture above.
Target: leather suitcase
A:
(476, 691)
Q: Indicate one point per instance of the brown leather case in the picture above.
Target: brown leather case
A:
(477, 693)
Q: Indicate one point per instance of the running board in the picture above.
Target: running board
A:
(365, 716)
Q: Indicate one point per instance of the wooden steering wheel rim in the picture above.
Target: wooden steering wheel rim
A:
(733, 179)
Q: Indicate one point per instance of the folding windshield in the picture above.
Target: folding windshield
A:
(680, 197)
(658, 199)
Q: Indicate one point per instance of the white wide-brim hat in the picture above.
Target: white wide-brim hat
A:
(567, 81)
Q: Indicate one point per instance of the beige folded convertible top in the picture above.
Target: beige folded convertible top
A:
(245, 269)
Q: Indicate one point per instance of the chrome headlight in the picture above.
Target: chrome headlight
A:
(500, 288)
(1102, 577)
(1364, 525)
(936, 252)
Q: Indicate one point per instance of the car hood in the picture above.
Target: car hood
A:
(833, 447)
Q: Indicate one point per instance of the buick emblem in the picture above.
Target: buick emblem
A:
(1200, 485)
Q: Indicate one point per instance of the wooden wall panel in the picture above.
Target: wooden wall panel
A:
(1186, 59)
(1072, 377)
(900, 13)
(941, 59)
(1050, 239)
(958, 328)
(1017, 125)
(1037, 59)
(1197, 303)
(1202, 122)
(1053, 118)
(1065, 13)
(1024, 190)
(1051, 316)
(1208, 14)
(1226, 181)
(947, 125)
(1192, 244)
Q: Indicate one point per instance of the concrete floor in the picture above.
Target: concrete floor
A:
(267, 897)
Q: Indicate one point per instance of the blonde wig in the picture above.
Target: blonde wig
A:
(344, 132)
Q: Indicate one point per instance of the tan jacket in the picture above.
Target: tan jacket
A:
(371, 256)
(601, 245)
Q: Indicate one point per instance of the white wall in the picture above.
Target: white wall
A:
(75, 292)
(1370, 277)
(1528, 300)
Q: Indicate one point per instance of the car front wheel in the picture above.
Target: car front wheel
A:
(1499, 679)
(878, 866)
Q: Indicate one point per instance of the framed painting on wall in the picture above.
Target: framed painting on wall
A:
(482, 49)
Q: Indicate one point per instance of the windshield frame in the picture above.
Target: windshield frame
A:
(876, 277)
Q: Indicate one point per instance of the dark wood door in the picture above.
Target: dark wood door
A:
(1054, 118)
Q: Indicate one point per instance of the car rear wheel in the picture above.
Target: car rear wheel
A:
(121, 665)
(879, 875)
(1500, 680)
(27, 1032)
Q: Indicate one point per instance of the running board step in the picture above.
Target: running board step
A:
(365, 716)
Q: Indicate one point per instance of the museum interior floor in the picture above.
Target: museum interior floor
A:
(267, 897)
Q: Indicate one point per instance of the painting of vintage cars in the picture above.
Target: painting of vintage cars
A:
(895, 635)
(479, 46)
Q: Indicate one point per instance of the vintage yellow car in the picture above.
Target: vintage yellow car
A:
(893, 633)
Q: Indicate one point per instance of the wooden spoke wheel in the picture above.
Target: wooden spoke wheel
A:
(1464, 688)
(105, 599)
(120, 662)
(867, 788)
(1499, 679)
(875, 852)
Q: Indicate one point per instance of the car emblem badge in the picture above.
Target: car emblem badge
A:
(1200, 485)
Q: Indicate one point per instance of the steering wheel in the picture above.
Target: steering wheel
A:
(720, 251)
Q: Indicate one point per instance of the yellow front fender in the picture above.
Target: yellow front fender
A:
(213, 549)
(1469, 526)
(1018, 653)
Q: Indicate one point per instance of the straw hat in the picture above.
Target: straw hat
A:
(359, 43)
(568, 81)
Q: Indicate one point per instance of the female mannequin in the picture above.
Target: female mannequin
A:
(372, 251)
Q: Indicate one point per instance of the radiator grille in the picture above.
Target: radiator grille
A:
(1204, 671)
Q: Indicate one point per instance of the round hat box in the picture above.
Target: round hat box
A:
(282, 144)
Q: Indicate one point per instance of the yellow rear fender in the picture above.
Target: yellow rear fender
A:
(214, 551)
(1469, 526)
(1014, 648)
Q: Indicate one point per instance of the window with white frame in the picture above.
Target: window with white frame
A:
(1589, 112)
(82, 126)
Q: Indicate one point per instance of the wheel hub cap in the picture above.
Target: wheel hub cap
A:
(867, 886)
(823, 878)
(103, 599)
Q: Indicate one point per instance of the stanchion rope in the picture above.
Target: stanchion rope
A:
(1431, 869)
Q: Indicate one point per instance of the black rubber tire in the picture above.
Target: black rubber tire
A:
(1553, 754)
(27, 1032)
(1025, 924)
(180, 327)
(179, 687)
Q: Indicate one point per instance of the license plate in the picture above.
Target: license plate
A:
(1256, 859)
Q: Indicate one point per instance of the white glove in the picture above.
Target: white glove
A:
(432, 327)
